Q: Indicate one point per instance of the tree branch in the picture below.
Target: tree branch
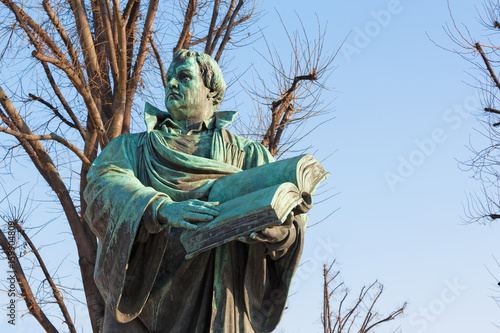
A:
(223, 24)
(145, 38)
(55, 290)
(281, 109)
(139, 62)
(25, 20)
(54, 109)
(61, 98)
(63, 64)
(488, 65)
(119, 97)
(51, 136)
(86, 42)
(492, 110)
(228, 31)
(86, 242)
(103, 92)
(160, 63)
(221, 29)
(64, 36)
(26, 292)
(131, 32)
(188, 18)
(128, 9)
(84, 91)
(110, 42)
(349, 318)
(211, 29)
(390, 317)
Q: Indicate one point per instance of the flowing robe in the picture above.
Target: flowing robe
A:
(141, 272)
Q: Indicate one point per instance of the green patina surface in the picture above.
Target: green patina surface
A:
(144, 189)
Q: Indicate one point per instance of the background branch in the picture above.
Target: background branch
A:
(26, 292)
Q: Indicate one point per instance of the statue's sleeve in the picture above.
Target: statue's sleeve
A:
(255, 155)
(116, 202)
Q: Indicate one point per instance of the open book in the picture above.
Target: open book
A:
(255, 199)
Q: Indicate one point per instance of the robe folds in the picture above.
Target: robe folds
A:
(141, 272)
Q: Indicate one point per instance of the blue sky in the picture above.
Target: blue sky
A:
(400, 98)
(397, 103)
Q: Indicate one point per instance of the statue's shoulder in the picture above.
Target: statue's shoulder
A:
(255, 153)
(241, 142)
(125, 143)
(130, 138)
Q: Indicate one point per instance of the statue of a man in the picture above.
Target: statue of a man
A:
(144, 189)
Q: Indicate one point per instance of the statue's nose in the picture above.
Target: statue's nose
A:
(173, 83)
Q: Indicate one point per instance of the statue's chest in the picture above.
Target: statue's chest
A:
(196, 145)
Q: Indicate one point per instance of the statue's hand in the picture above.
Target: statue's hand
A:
(182, 214)
(274, 234)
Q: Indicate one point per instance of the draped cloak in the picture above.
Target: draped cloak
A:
(141, 272)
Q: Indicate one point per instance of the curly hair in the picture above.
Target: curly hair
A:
(210, 72)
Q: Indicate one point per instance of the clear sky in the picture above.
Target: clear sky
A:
(398, 105)
(397, 136)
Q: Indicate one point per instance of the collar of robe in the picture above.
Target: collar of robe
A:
(155, 117)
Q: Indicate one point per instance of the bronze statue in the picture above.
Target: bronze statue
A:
(144, 189)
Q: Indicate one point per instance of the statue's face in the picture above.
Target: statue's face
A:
(186, 96)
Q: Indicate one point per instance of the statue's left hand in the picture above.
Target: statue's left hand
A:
(274, 234)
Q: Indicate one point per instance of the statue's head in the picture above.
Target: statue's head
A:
(195, 86)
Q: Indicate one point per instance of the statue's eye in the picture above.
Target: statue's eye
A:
(184, 77)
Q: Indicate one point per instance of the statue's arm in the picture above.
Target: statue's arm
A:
(114, 193)
(114, 188)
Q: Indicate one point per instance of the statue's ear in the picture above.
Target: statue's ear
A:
(211, 94)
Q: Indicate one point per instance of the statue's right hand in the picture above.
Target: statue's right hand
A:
(182, 214)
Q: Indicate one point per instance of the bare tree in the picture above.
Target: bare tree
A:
(84, 62)
(293, 94)
(483, 53)
(91, 55)
(361, 316)
(15, 217)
